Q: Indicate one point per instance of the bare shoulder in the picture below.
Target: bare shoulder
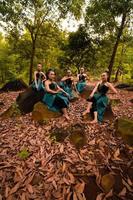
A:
(109, 84)
(47, 82)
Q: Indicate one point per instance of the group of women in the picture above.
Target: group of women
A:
(58, 95)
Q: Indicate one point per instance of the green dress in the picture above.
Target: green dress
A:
(67, 87)
(55, 102)
(81, 83)
(100, 101)
(39, 78)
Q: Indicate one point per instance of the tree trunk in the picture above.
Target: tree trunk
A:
(120, 64)
(32, 60)
(116, 75)
(120, 31)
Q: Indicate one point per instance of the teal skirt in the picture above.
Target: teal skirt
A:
(67, 89)
(55, 102)
(40, 85)
(81, 86)
(99, 105)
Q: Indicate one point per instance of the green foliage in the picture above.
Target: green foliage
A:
(23, 154)
(79, 50)
(34, 24)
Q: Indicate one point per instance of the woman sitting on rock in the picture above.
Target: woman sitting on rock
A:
(67, 83)
(39, 78)
(81, 84)
(98, 100)
(55, 97)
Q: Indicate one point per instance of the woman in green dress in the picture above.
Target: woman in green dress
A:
(82, 77)
(55, 97)
(39, 78)
(67, 84)
(98, 99)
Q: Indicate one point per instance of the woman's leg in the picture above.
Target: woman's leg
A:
(95, 118)
(64, 110)
(88, 109)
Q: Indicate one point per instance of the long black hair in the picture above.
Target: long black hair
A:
(48, 72)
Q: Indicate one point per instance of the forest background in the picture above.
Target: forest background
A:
(31, 33)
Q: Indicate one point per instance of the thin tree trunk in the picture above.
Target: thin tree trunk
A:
(116, 75)
(120, 64)
(32, 60)
(110, 67)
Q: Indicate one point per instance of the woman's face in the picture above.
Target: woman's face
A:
(51, 75)
(104, 77)
(69, 73)
(39, 67)
(82, 70)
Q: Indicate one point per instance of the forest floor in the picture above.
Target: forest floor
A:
(34, 165)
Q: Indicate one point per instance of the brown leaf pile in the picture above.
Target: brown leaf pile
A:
(54, 170)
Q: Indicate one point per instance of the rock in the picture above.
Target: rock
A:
(107, 182)
(12, 111)
(77, 135)
(123, 86)
(109, 115)
(115, 102)
(130, 88)
(124, 128)
(42, 113)
(27, 99)
(131, 100)
(14, 85)
(87, 91)
(75, 96)
(59, 134)
(1, 103)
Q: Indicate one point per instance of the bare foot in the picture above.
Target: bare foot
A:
(94, 122)
(85, 113)
(67, 117)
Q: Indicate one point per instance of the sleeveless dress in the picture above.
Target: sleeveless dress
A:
(100, 101)
(81, 83)
(55, 102)
(67, 87)
(39, 78)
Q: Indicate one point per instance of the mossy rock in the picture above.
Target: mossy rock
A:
(75, 96)
(59, 134)
(42, 113)
(107, 182)
(12, 111)
(115, 102)
(77, 136)
(124, 128)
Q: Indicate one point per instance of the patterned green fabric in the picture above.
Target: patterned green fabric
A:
(100, 103)
(49, 99)
(40, 85)
(67, 89)
(81, 86)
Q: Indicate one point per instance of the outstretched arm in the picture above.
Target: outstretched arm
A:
(111, 87)
(94, 90)
(61, 90)
(64, 78)
(35, 79)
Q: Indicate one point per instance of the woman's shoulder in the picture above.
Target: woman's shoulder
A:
(108, 84)
(47, 81)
